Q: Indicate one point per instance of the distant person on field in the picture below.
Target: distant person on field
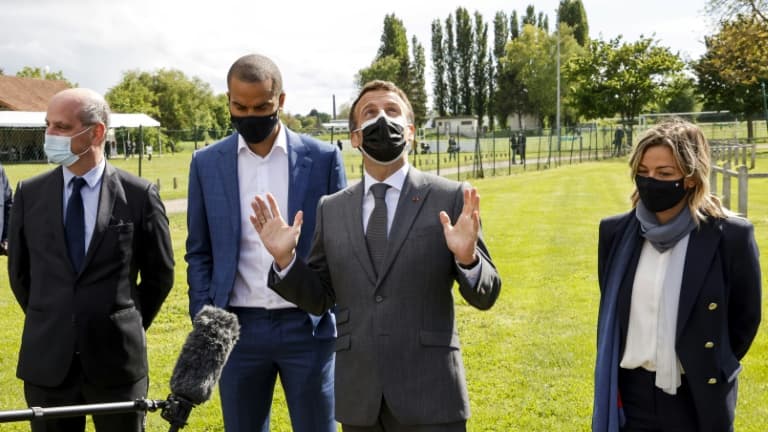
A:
(521, 146)
(618, 141)
(339, 144)
(513, 145)
(680, 291)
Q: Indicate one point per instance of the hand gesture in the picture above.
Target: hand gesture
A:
(462, 237)
(279, 238)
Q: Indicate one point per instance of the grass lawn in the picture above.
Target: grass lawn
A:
(529, 359)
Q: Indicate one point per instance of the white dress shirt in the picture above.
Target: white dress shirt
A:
(258, 175)
(396, 181)
(641, 346)
(90, 193)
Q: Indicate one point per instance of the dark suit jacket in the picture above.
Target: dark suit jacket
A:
(6, 200)
(397, 333)
(719, 303)
(213, 215)
(103, 311)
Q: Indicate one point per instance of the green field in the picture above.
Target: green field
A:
(529, 359)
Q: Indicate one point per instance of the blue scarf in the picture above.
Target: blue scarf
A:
(607, 415)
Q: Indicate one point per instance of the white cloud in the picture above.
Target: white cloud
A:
(319, 46)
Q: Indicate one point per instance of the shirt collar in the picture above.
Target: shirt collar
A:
(396, 180)
(92, 177)
(281, 142)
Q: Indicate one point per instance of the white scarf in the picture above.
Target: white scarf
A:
(668, 368)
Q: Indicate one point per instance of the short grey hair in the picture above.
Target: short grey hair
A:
(94, 109)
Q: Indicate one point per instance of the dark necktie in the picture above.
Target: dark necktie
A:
(376, 234)
(75, 225)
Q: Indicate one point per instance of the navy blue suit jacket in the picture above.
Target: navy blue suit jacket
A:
(213, 214)
(719, 311)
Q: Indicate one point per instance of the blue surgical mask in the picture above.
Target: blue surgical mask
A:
(58, 148)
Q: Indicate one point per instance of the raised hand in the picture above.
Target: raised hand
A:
(462, 236)
(279, 238)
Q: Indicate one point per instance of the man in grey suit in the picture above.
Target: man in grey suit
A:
(386, 254)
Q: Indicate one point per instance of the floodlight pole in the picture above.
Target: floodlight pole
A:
(557, 121)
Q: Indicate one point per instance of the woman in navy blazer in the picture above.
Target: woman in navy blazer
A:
(680, 294)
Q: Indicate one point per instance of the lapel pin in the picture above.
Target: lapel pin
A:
(416, 198)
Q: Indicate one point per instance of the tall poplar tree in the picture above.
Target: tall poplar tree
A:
(418, 91)
(465, 50)
(439, 85)
(451, 66)
(572, 13)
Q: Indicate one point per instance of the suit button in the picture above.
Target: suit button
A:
(709, 344)
(379, 299)
(712, 381)
(712, 306)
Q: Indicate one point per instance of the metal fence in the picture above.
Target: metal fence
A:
(26, 144)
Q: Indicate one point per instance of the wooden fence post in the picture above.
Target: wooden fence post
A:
(743, 190)
(726, 185)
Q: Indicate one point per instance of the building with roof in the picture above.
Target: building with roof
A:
(27, 94)
(23, 105)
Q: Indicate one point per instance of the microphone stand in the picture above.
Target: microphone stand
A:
(175, 410)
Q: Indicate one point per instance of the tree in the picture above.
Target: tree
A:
(391, 62)
(439, 91)
(530, 16)
(514, 26)
(680, 96)
(465, 49)
(531, 59)
(39, 73)
(386, 68)
(176, 101)
(727, 10)
(621, 78)
(572, 13)
(729, 81)
(451, 67)
(394, 43)
(418, 93)
(480, 70)
(740, 50)
(500, 39)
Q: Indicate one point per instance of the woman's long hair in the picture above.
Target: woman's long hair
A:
(691, 152)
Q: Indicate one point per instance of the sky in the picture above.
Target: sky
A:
(319, 46)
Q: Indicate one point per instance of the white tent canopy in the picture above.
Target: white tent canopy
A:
(35, 119)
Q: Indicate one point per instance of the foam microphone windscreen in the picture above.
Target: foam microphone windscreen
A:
(198, 368)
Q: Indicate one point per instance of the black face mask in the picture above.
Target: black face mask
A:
(255, 129)
(659, 195)
(384, 140)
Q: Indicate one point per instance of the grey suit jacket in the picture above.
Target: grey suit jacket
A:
(397, 332)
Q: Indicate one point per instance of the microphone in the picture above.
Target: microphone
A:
(198, 368)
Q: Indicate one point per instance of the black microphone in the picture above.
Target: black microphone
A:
(198, 368)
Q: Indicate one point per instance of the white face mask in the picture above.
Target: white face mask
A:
(58, 148)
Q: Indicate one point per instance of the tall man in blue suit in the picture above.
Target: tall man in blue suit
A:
(228, 264)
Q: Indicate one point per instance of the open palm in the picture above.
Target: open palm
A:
(279, 238)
